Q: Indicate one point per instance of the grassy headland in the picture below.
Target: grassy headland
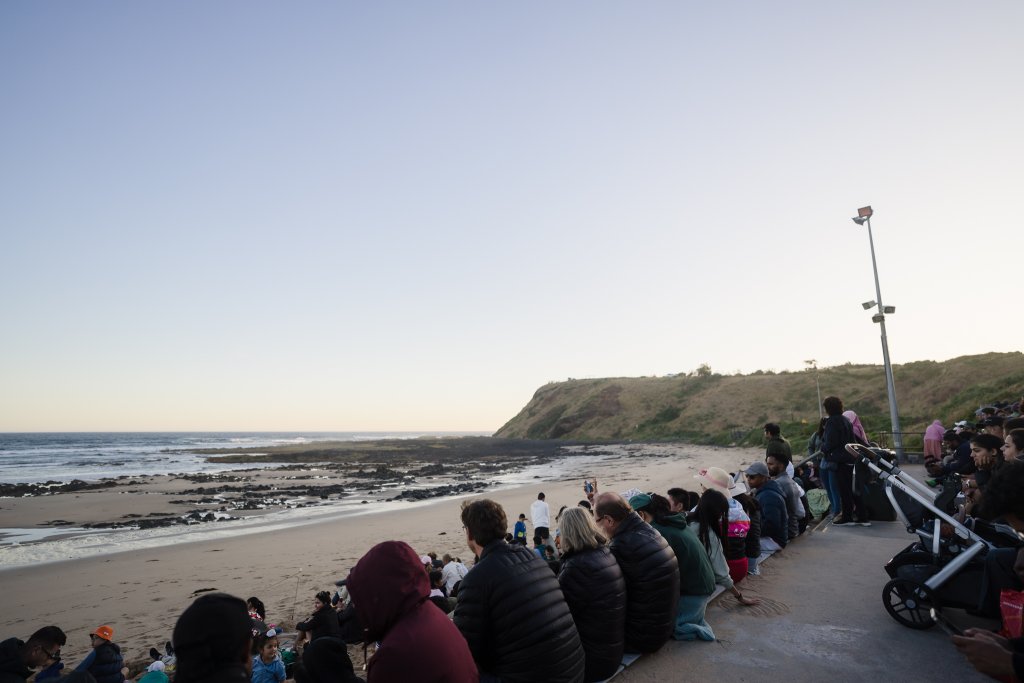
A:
(706, 407)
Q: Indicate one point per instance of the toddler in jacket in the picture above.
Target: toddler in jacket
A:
(267, 666)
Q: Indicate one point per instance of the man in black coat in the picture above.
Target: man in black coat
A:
(18, 659)
(651, 571)
(510, 608)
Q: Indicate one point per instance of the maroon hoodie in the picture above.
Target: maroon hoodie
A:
(417, 640)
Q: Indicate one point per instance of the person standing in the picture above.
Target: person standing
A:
(933, 442)
(540, 513)
(776, 445)
(105, 662)
(511, 610)
(838, 433)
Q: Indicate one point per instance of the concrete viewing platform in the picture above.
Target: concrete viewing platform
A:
(821, 619)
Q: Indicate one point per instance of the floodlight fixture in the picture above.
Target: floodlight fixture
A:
(877, 318)
(868, 304)
(888, 309)
(860, 220)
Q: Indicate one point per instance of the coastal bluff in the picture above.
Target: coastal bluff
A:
(707, 407)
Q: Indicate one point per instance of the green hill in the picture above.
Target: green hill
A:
(705, 407)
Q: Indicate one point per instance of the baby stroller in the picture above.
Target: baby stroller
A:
(945, 566)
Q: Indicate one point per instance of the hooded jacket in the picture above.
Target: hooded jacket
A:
(595, 591)
(696, 576)
(652, 583)
(774, 518)
(417, 641)
(514, 617)
(12, 669)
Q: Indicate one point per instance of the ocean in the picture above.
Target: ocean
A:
(63, 456)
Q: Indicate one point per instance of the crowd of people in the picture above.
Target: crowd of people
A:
(612, 575)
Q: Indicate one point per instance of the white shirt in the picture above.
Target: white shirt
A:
(452, 573)
(540, 514)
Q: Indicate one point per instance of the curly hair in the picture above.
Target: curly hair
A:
(484, 520)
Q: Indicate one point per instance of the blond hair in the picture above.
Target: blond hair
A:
(578, 531)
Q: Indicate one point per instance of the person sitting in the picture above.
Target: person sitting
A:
(326, 660)
(777, 464)
(18, 658)
(323, 622)
(105, 662)
(959, 443)
(710, 522)
(452, 572)
(774, 518)
(696, 577)
(595, 590)
(156, 673)
(267, 666)
(510, 609)
(650, 569)
(417, 641)
(1013, 445)
(212, 641)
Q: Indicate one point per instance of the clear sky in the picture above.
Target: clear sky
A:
(382, 216)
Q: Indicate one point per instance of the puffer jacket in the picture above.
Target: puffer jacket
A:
(12, 669)
(514, 617)
(596, 594)
(774, 518)
(417, 641)
(652, 584)
(107, 665)
(739, 527)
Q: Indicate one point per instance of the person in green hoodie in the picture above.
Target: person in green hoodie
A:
(696, 577)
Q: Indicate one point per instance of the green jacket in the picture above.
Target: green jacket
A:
(779, 446)
(696, 576)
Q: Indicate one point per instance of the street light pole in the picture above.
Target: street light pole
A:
(864, 217)
(817, 385)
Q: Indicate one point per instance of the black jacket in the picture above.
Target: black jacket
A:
(652, 584)
(107, 665)
(513, 616)
(12, 669)
(323, 623)
(596, 593)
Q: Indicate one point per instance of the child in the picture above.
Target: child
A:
(519, 534)
(267, 666)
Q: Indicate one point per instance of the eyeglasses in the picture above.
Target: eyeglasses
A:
(55, 655)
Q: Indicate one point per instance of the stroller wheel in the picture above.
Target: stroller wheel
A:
(909, 603)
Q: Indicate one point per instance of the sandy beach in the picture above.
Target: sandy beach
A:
(141, 583)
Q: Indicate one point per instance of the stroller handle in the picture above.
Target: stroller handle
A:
(859, 451)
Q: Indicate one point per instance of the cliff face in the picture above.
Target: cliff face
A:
(732, 409)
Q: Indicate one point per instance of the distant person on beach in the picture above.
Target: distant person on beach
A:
(267, 666)
(651, 571)
(212, 641)
(326, 660)
(417, 642)
(42, 649)
(540, 513)
(324, 620)
(452, 572)
(595, 591)
(696, 578)
(105, 662)
(519, 534)
(511, 610)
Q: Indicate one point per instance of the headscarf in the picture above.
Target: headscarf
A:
(858, 428)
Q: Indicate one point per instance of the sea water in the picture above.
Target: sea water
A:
(39, 457)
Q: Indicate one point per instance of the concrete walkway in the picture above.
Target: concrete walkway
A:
(822, 619)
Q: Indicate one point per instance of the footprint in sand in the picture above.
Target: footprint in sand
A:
(767, 608)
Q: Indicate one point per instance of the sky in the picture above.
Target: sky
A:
(410, 216)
